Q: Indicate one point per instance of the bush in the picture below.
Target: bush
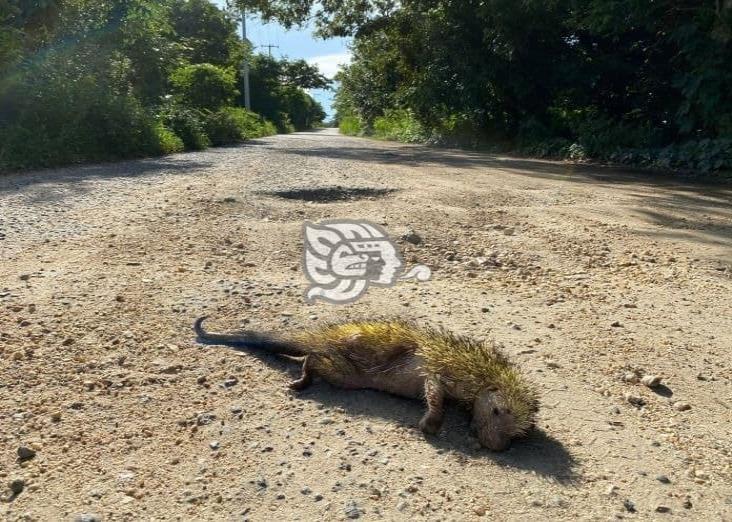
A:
(233, 124)
(600, 137)
(169, 142)
(204, 86)
(72, 120)
(697, 155)
(350, 126)
(188, 124)
(400, 125)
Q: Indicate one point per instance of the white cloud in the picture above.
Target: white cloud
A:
(329, 64)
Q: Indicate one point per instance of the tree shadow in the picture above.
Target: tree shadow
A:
(538, 452)
(54, 184)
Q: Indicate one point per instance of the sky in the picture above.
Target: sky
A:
(300, 43)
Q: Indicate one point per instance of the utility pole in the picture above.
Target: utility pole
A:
(245, 63)
(269, 48)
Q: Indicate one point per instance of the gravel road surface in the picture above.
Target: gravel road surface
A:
(592, 278)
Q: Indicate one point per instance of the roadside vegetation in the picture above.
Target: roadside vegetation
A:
(84, 80)
(645, 83)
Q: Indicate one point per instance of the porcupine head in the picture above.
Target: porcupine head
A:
(503, 404)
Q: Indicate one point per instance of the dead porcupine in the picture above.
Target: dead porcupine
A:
(399, 357)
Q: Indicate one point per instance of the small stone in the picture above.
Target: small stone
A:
(352, 510)
(205, 418)
(616, 324)
(557, 501)
(663, 479)
(410, 236)
(703, 475)
(56, 416)
(611, 490)
(68, 341)
(25, 453)
(663, 509)
(687, 503)
(635, 400)
(17, 486)
(306, 490)
(652, 381)
(509, 231)
(615, 410)
(480, 511)
(214, 444)
(535, 502)
(231, 381)
(326, 420)
(88, 517)
(318, 497)
(630, 377)
(401, 506)
(24, 277)
(629, 505)
(682, 406)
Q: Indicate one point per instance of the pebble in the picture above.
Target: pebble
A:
(17, 486)
(630, 377)
(611, 490)
(88, 517)
(326, 420)
(629, 505)
(205, 418)
(682, 406)
(410, 236)
(509, 231)
(660, 508)
(318, 497)
(214, 444)
(635, 400)
(306, 490)
(663, 479)
(401, 506)
(353, 510)
(652, 381)
(25, 453)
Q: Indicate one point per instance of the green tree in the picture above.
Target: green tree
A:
(204, 86)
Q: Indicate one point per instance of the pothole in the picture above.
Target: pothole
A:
(328, 194)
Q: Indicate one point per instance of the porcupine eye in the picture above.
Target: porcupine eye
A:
(496, 411)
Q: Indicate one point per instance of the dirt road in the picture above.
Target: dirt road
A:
(586, 275)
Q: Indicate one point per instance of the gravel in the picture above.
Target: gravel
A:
(202, 234)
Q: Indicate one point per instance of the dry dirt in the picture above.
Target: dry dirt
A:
(585, 274)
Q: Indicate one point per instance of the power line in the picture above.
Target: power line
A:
(269, 48)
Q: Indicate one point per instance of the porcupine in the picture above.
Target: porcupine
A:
(401, 358)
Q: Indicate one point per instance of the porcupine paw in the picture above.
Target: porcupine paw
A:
(430, 425)
(299, 384)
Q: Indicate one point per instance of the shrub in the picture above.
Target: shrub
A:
(72, 120)
(350, 126)
(204, 86)
(400, 125)
(233, 124)
(697, 155)
(188, 124)
(600, 137)
(169, 142)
